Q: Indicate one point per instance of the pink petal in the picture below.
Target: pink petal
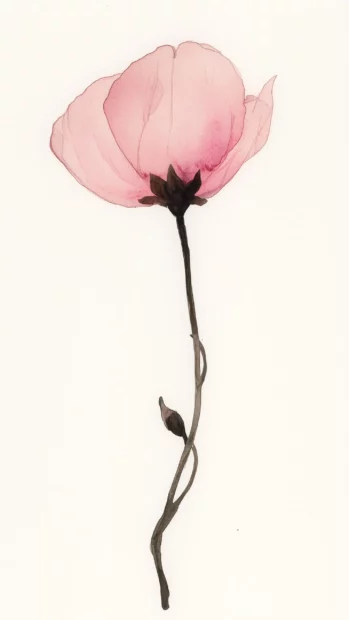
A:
(208, 109)
(139, 111)
(255, 134)
(83, 142)
(184, 108)
(209, 47)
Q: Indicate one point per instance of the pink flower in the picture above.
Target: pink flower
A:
(185, 108)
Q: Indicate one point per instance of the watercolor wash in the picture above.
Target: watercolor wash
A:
(171, 130)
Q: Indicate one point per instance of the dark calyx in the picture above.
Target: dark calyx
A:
(174, 193)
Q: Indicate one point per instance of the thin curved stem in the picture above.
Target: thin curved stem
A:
(204, 361)
(162, 524)
(191, 479)
(172, 505)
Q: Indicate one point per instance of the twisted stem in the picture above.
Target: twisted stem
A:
(172, 505)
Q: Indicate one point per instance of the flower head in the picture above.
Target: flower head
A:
(177, 120)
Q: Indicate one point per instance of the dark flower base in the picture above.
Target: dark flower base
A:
(174, 193)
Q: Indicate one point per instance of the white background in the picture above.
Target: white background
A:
(94, 328)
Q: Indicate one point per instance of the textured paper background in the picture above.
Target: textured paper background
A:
(94, 328)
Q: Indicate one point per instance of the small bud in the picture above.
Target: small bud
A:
(172, 420)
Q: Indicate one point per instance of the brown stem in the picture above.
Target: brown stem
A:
(172, 505)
